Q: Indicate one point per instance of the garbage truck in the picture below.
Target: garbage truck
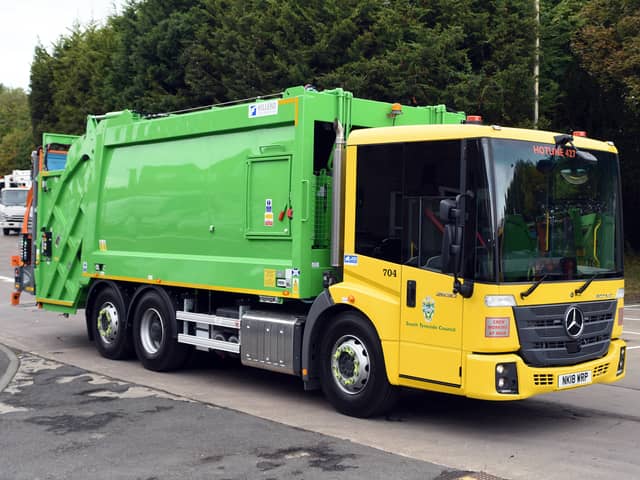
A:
(359, 245)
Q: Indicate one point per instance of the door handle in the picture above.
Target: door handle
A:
(411, 293)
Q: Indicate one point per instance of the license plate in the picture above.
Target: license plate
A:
(574, 379)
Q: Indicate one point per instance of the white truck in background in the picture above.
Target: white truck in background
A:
(14, 188)
(17, 178)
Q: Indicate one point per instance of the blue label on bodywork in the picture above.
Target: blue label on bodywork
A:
(351, 260)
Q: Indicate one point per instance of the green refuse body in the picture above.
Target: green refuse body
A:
(232, 198)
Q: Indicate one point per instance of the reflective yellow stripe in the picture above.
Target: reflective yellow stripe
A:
(284, 294)
(64, 303)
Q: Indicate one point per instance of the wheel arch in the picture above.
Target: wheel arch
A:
(318, 320)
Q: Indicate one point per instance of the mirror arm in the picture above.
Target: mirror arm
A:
(464, 289)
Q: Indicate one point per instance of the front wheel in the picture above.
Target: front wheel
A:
(155, 334)
(352, 373)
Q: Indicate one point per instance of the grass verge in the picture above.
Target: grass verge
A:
(631, 278)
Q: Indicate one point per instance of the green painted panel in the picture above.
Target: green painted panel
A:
(182, 199)
(268, 197)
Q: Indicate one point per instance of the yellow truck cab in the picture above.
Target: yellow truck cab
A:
(489, 259)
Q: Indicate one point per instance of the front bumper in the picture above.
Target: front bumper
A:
(481, 374)
(16, 225)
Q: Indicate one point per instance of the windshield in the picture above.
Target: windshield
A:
(14, 197)
(557, 212)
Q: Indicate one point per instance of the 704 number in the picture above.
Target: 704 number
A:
(389, 272)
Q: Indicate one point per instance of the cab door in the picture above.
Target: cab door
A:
(397, 191)
(431, 314)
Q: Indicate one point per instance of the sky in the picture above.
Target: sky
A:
(25, 23)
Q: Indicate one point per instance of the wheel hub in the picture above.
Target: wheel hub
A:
(108, 322)
(151, 331)
(350, 364)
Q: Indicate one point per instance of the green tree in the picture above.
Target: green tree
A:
(148, 55)
(403, 51)
(79, 86)
(164, 55)
(43, 115)
(607, 47)
(15, 130)
(69, 83)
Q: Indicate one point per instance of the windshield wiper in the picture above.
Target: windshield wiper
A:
(578, 291)
(530, 290)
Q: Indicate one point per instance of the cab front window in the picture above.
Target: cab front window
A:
(557, 212)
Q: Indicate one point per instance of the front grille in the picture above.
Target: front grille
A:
(14, 218)
(544, 340)
(543, 379)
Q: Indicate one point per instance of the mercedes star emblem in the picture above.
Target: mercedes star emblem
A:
(574, 322)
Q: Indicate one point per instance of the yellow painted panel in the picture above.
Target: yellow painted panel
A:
(475, 313)
(430, 331)
(379, 306)
(378, 274)
(350, 200)
(561, 292)
(416, 133)
(430, 364)
(479, 374)
(390, 352)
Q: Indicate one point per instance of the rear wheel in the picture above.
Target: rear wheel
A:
(353, 374)
(155, 334)
(108, 322)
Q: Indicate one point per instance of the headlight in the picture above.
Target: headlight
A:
(507, 378)
(500, 301)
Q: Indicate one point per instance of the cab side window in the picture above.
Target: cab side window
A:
(399, 188)
(379, 201)
(432, 173)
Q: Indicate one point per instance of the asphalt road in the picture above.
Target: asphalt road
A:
(586, 433)
(62, 422)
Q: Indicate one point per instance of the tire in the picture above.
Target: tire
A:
(108, 322)
(6, 231)
(352, 372)
(155, 334)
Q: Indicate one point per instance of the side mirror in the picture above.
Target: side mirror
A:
(453, 215)
(448, 210)
(452, 248)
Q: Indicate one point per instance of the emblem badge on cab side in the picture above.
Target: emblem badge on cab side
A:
(428, 308)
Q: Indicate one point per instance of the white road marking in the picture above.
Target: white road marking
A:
(633, 348)
(6, 279)
(5, 408)
(632, 333)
